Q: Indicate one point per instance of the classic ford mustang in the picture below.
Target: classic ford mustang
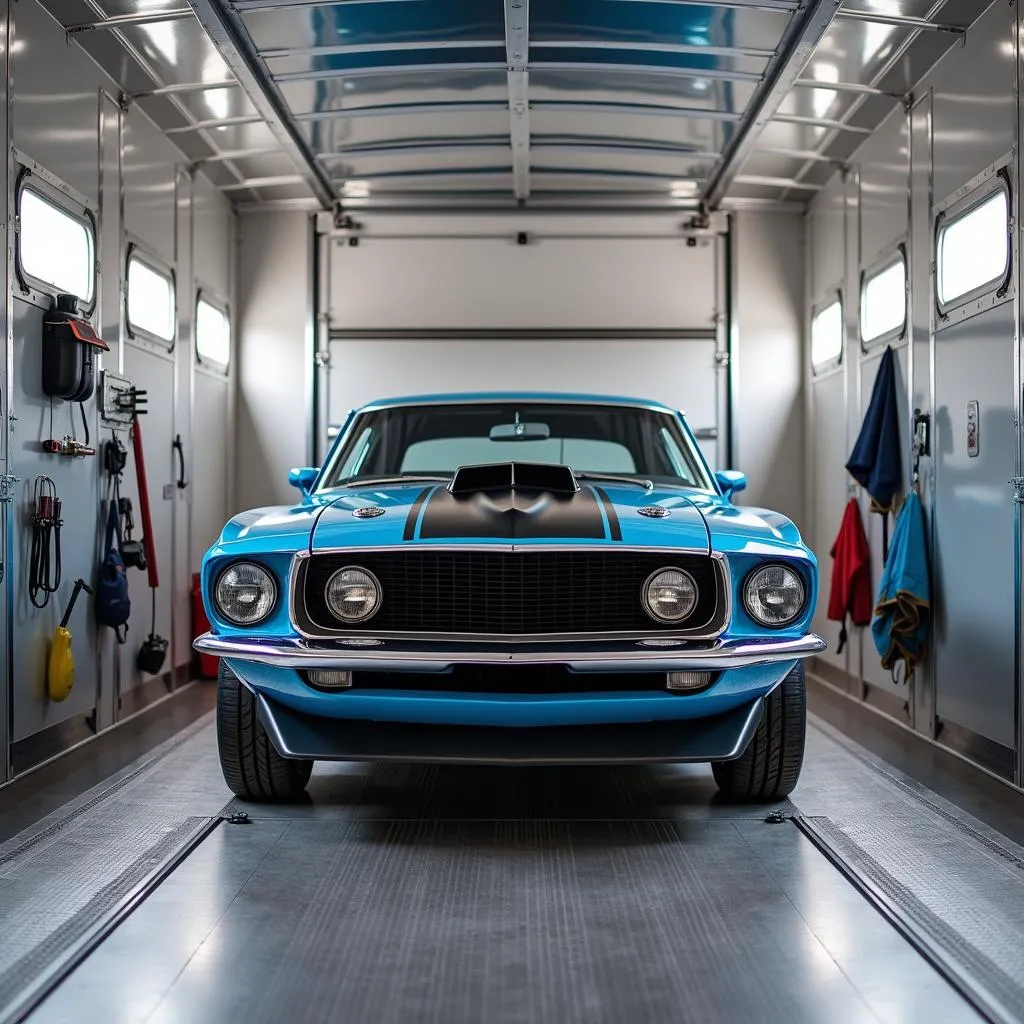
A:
(511, 578)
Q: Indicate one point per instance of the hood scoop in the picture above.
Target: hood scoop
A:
(507, 476)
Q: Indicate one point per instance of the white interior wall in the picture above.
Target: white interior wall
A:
(769, 372)
(273, 300)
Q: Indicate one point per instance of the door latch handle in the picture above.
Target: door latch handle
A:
(180, 449)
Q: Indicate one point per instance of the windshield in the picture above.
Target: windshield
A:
(435, 440)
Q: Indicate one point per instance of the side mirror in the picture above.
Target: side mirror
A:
(731, 481)
(303, 478)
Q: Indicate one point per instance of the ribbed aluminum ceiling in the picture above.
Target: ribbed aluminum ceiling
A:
(542, 103)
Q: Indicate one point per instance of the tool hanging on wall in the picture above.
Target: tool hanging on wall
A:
(60, 667)
(151, 654)
(67, 445)
(147, 521)
(44, 557)
(70, 346)
(69, 351)
(113, 604)
(150, 658)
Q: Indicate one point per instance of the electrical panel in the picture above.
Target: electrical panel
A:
(120, 400)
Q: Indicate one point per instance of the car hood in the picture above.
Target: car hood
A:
(430, 514)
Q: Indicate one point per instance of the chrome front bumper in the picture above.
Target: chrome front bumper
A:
(438, 656)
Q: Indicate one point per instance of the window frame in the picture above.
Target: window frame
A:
(141, 253)
(876, 268)
(211, 298)
(835, 295)
(961, 204)
(51, 190)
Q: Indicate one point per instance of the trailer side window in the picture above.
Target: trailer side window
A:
(150, 300)
(827, 336)
(213, 334)
(973, 249)
(883, 301)
(55, 247)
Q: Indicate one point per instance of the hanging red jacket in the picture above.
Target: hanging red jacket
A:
(851, 573)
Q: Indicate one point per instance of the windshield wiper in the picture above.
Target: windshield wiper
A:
(400, 478)
(612, 478)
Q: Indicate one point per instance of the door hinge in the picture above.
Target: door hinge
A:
(323, 360)
(1017, 483)
(722, 359)
(7, 485)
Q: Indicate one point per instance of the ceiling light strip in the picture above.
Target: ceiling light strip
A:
(626, 46)
(441, 68)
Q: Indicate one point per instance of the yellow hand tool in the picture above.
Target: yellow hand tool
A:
(60, 673)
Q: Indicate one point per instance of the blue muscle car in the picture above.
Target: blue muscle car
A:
(511, 578)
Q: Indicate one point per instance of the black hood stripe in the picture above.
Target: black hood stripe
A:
(512, 515)
(614, 529)
(414, 513)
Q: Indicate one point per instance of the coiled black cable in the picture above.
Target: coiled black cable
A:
(45, 566)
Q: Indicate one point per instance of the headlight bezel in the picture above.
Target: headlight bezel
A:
(375, 582)
(649, 609)
(274, 586)
(748, 580)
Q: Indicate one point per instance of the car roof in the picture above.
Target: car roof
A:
(465, 397)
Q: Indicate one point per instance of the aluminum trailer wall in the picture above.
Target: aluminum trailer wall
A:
(948, 147)
(65, 121)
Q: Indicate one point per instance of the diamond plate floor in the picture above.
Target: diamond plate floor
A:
(959, 879)
(414, 893)
(60, 875)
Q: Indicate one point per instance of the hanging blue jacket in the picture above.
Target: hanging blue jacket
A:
(875, 462)
(903, 608)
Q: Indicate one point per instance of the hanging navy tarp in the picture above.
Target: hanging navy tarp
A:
(903, 607)
(875, 462)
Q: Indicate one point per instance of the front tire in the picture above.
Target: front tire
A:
(252, 767)
(770, 766)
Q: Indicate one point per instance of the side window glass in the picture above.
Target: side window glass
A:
(827, 336)
(55, 247)
(213, 334)
(973, 249)
(150, 300)
(355, 460)
(883, 302)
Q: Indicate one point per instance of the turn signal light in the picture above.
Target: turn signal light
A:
(687, 680)
(329, 679)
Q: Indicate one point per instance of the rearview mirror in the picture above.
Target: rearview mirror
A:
(520, 432)
(303, 478)
(731, 481)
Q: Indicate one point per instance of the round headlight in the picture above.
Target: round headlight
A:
(245, 593)
(774, 595)
(670, 595)
(353, 594)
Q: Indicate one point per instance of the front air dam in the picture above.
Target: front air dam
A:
(718, 738)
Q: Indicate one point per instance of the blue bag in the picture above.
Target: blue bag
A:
(113, 606)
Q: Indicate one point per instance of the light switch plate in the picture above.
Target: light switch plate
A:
(973, 439)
